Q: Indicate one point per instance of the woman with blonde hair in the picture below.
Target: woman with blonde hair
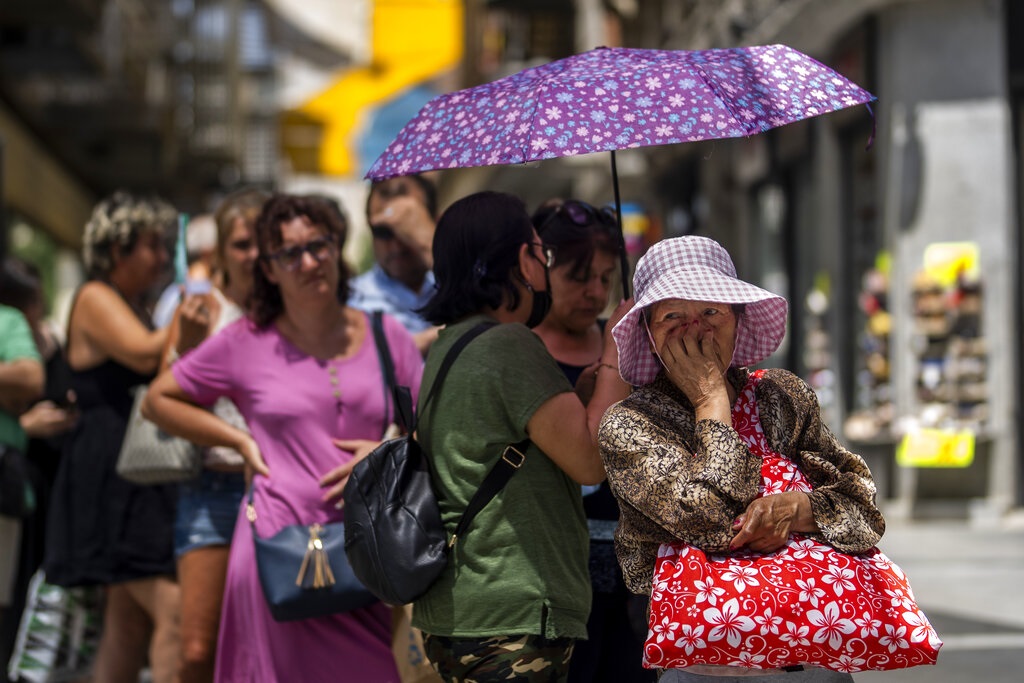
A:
(208, 506)
(103, 530)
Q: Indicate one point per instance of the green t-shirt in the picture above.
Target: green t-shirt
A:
(15, 343)
(521, 567)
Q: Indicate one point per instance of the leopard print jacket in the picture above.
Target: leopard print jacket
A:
(680, 482)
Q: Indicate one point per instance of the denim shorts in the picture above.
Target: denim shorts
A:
(207, 510)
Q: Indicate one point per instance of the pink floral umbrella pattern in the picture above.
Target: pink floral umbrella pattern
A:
(617, 98)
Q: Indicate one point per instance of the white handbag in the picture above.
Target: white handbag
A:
(150, 455)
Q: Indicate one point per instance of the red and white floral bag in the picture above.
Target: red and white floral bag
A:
(805, 604)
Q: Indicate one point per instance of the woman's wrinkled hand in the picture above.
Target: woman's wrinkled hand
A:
(338, 477)
(766, 524)
(693, 361)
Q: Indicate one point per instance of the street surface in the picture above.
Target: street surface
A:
(970, 583)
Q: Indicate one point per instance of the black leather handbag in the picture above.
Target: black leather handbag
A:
(396, 542)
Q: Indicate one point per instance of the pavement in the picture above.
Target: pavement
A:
(968, 579)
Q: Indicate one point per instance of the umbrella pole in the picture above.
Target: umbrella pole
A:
(623, 259)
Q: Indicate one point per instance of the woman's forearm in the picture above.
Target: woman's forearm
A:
(169, 407)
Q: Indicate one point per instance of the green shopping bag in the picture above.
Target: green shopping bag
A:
(58, 634)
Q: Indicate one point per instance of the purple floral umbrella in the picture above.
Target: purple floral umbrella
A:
(617, 98)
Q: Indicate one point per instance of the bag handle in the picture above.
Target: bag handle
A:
(387, 367)
(449, 360)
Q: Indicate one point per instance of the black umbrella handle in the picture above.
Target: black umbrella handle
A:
(623, 258)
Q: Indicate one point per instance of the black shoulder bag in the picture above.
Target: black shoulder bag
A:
(394, 537)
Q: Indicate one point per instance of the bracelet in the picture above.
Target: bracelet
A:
(606, 365)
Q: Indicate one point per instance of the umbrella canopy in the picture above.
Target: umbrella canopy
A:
(617, 98)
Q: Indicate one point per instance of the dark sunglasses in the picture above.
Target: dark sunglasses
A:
(242, 245)
(582, 214)
(381, 232)
(290, 258)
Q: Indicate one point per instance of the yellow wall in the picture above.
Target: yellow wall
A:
(413, 41)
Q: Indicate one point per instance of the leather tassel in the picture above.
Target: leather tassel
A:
(316, 555)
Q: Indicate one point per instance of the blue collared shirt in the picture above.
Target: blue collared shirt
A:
(375, 290)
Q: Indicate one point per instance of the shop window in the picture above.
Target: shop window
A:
(949, 342)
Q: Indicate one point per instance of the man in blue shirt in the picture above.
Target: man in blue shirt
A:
(401, 213)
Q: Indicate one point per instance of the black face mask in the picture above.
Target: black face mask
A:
(541, 301)
(540, 308)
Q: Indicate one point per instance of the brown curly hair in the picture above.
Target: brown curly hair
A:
(267, 303)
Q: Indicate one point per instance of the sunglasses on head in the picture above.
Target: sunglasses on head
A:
(581, 214)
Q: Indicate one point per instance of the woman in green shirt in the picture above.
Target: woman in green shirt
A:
(516, 594)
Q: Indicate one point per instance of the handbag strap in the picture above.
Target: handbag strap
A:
(449, 360)
(512, 458)
(387, 367)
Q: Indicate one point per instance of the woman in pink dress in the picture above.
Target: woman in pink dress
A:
(303, 370)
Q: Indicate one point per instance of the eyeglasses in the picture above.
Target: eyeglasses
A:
(581, 214)
(290, 258)
(242, 244)
(548, 251)
(382, 232)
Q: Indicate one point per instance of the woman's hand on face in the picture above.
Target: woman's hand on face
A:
(766, 524)
(692, 358)
(338, 477)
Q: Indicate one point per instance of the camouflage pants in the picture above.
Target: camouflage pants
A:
(501, 658)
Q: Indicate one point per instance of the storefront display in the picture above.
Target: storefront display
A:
(952, 360)
(872, 420)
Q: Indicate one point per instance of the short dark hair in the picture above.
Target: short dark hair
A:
(20, 284)
(476, 256)
(384, 188)
(575, 244)
(267, 303)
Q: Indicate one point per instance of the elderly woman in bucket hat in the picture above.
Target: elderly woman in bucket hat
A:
(677, 466)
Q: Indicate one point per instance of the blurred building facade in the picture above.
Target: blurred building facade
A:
(193, 98)
(174, 97)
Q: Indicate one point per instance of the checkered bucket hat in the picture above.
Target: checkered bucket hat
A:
(696, 269)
